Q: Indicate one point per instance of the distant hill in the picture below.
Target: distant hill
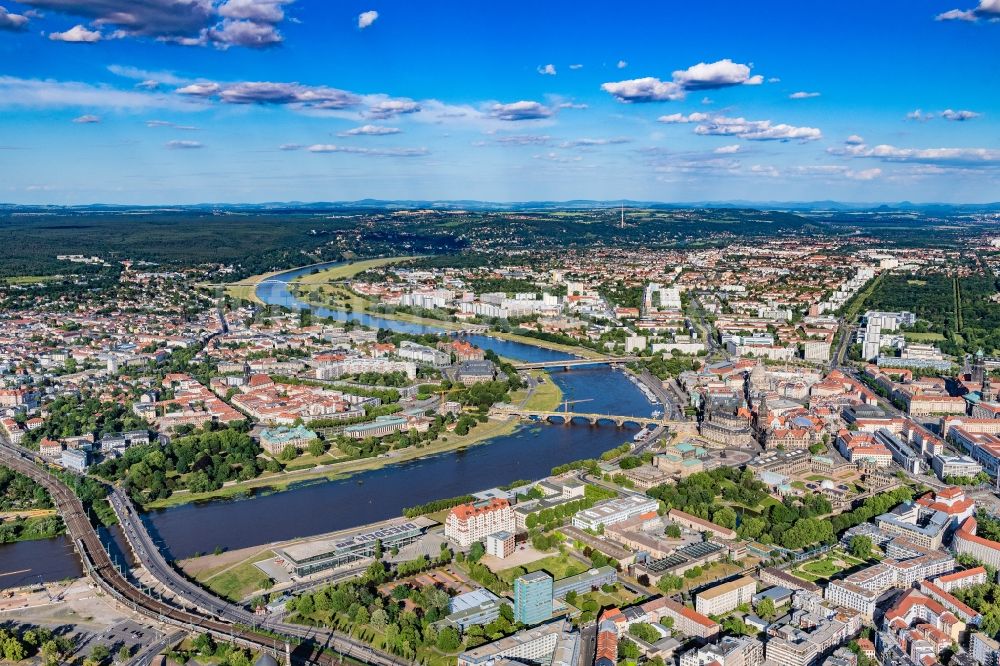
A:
(575, 204)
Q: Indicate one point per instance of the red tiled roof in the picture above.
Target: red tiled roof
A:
(466, 511)
(950, 599)
(959, 575)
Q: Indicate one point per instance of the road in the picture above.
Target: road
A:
(846, 336)
(705, 328)
(672, 404)
(588, 644)
(99, 567)
(144, 656)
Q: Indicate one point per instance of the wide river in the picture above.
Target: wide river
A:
(310, 508)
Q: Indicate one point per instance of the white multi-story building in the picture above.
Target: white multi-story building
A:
(356, 366)
(554, 643)
(468, 523)
(417, 353)
(725, 597)
(984, 649)
(906, 564)
(614, 511)
(730, 651)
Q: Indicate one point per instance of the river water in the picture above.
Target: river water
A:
(310, 508)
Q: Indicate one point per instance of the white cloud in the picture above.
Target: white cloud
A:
(392, 107)
(183, 145)
(524, 140)
(622, 64)
(291, 146)
(866, 174)
(590, 143)
(223, 23)
(751, 130)
(365, 19)
(252, 34)
(727, 150)
(170, 125)
(556, 157)
(703, 76)
(947, 114)
(87, 119)
(756, 130)
(987, 9)
(371, 130)
(854, 140)
(803, 95)
(674, 118)
(12, 22)
(765, 170)
(148, 78)
(523, 110)
(983, 157)
(39, 93)
(269, 11)
(576, 65)
(199, 89)
(647, 89)
(269, 92)
(549, 69)
(774, 79)
(376, 152)
(833, 170)
(717, 74)
(77, 35)
(572, 105)
(959, 116)
(956, 15)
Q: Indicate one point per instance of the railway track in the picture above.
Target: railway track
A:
(99, 567)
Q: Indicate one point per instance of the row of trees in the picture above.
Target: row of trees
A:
(18, 645)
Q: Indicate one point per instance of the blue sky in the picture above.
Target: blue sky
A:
(186, 101)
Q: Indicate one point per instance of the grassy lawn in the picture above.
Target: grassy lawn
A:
(923, 337)
(559, 566)
(711, 573)
(345, 271)
(619, 598)
(799, 485)
(818, 478)
(546, 397)
(31, 279)
(763, 506)
(826, 566)
(237, 581)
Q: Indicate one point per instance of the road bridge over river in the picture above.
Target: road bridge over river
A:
(576, 362)
(592, 418)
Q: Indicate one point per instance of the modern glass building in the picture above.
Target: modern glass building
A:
(533, 598)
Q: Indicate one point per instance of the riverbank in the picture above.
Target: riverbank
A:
(34, 525)
(349, 270)
(280, 481)
(246, 289)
